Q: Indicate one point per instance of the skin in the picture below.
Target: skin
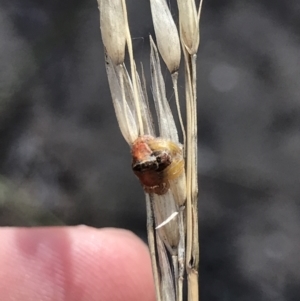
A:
(72, 264)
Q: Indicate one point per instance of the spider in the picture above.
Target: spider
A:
(156, 161)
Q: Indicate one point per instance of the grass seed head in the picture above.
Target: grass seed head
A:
(112, 26)
(189, 25)
(166, 34)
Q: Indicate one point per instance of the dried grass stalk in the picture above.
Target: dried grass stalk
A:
(189, 20)
(168, 178)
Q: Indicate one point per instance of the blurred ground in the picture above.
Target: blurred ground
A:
(64, 161)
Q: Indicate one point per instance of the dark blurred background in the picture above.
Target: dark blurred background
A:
(64, 161)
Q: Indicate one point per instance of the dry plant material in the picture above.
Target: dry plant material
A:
(166, 168)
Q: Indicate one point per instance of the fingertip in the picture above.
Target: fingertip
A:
(74, 263)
